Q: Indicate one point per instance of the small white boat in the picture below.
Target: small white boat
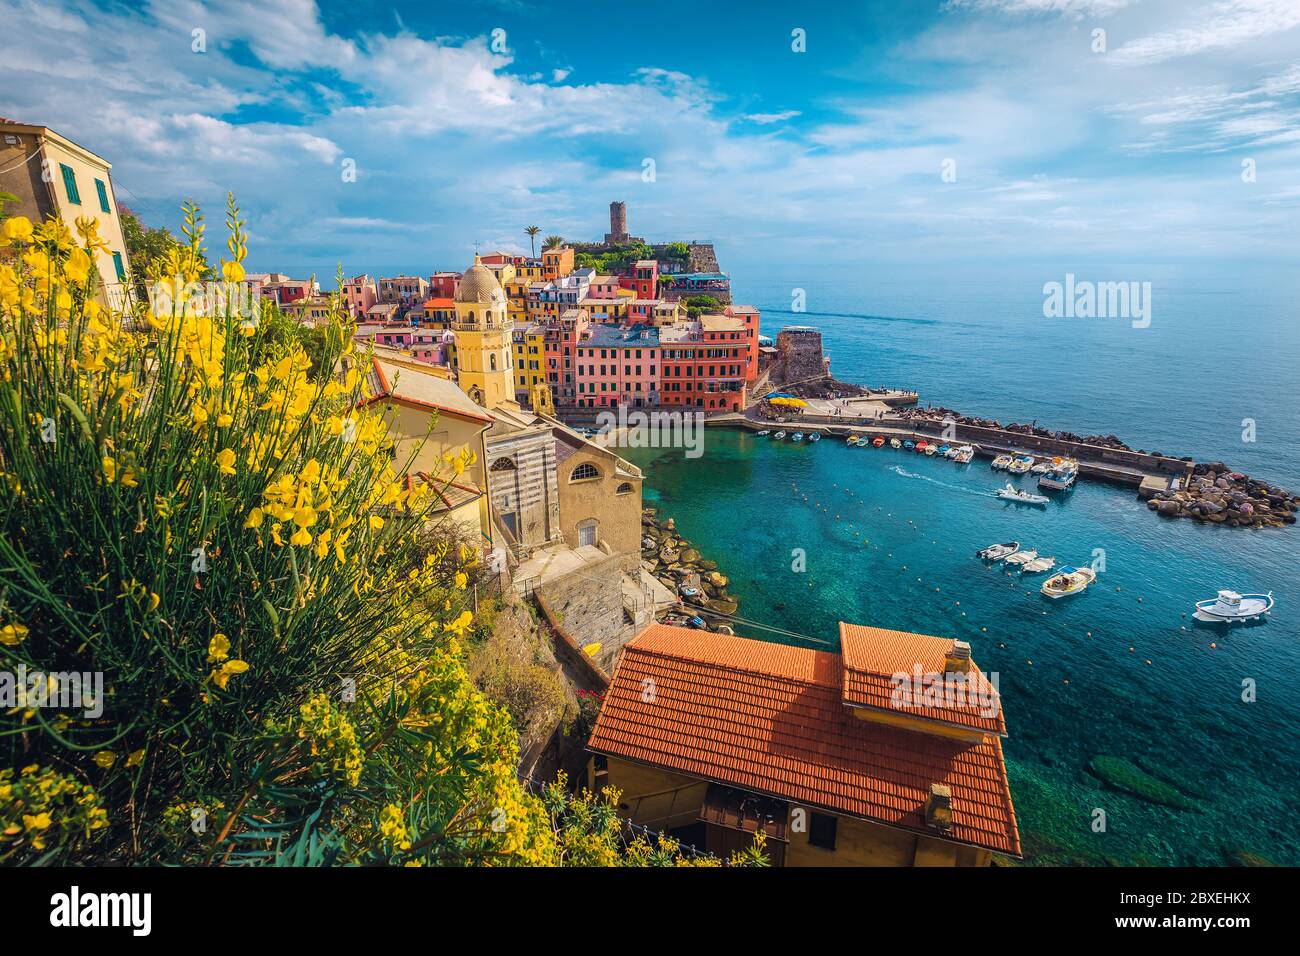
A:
(797, 436)
(1069, 580)
(1021, 465)
(1001, 462)
(1230, 607)
(895, 443)
(1038, 565)
(965, 454)
(1022, 557)
(951, 451)
(778, 436)
(1042, 468)
(765, 431)
(851, 440)
(815, 436)
(930, 450)
(1061, 476)
(1021, 497)
(996, 552)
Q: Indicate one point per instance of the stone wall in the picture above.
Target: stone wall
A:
(587, 606)
(800, 350)
(522, 483)
(700, 257)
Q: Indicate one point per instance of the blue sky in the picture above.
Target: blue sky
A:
(1130, 155)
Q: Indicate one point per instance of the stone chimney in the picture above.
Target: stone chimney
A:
(957, 660)
(938, 807)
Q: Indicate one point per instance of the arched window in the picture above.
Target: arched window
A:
(624, 489)
(492, 360)
(503, 464)
(584, 471)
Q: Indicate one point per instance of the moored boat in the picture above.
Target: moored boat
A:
(815, 436)
(996, 552)
(1021, 557)
(1001, 462)
(931, 449)
(965, 455)
(1061, 476)
(922, 445)
(1038, 565)
(878, 441)
(1067, 581)
(1230, 607)
(895, 443)
(778, 436)
(851, 440)
(765, 431)
(1020, 465)
(1020, 497)
(909, 445)
(945, 450)
(797, 436)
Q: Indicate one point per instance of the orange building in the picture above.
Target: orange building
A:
(709, 737)
(557, 263)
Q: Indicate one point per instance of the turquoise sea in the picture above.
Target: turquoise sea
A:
(1119, 671)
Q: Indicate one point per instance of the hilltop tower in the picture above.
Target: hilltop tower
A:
(482, 327)
(617, 234)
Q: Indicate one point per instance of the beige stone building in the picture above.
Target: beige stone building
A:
(53, 176)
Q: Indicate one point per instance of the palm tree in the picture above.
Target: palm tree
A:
(552, 242)
(532, 232)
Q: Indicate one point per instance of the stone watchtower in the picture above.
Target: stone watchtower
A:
(617, 234)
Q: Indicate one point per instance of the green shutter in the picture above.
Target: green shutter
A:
(121, 269)
(103, 195)
(70, 184)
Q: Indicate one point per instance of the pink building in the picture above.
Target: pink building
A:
(645, 278)
(617, 366)
(443, 285)
(360, 294)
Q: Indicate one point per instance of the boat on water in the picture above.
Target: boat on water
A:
(851, 440)
(1041, 467)
(895, 443)
(778, 436)
(1021, 557)
(815, 436)
(965, 455)
(996, 552)
(1001, 462)
(878, 441)
(922, 445)
(1061, 476)
(1021, 497)
(1069, 580)
(931, 450)
(1020, 465)
(909, 445)
(1230, 607)
(1038, 565)
(797, 436)
(945, 450)
(765, 431)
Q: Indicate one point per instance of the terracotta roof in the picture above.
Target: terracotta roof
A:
(873, 655)
(404, 383)
(770, 719)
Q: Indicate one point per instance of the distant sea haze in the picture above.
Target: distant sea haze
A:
(1212, 371)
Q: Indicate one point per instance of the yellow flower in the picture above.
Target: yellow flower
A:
(226, 461)
(18, 229)
(302, 536)
(461, 624)
(462, 579)
(224, 420)
(218, 648)
(221, 676)
(77, 268)
(255, 518)
(232, 271)
(110, 469)
(13, 634)
(105, 759)
(39, 821)
(376, 522)
(135, 758)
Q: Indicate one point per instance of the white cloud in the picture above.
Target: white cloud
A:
(764, 119)
(1071, 8)
(1229, 23)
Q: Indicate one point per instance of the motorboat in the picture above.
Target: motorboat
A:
(950, 451)
(945, 450)
(1068, 580)
(965, 455)
(1230, 607)
(1021, 557)
(878, 441)
(922, 445)
(1038, 565)
(1021, 497)
(909, 445)
(765, 431)
(815, 436)
(1061, 477)
(1001, 462)
(1041, 468)
(931, 450)
(797, 436)
(996, 552)
(895, 443)
(1021, 465)
(778, 436)
(851, 440)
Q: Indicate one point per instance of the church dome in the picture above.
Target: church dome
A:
(479, 284)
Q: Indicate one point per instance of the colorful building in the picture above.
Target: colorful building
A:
(529, 343)
(360, 294)
(484, 361)
(617, 366)
(557, 263)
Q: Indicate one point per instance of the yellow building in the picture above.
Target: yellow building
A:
(483, 331)
(530, 358)
(53, 176)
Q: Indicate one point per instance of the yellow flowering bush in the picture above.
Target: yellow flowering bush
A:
(194, 508)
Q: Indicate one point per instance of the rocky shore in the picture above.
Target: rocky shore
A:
(1218, 495)
(674, 561)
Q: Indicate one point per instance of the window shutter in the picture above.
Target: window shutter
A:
(103, 195)
(119, 267)
(70, 184)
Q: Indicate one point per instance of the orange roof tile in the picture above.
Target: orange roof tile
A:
(874, 655)
(770, 718)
